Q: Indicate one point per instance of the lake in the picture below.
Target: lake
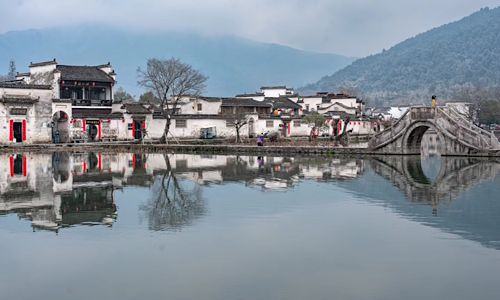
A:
(175, 226)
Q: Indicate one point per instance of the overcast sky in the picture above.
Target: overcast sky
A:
(348, 27)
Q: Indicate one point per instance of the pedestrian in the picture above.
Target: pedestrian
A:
(260, 141)
(434, 102)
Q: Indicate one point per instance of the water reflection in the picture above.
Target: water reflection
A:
(173, 204)
(62, 190)
(456, 175)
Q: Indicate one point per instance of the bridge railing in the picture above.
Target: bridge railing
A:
(464, 130)
(389, 134)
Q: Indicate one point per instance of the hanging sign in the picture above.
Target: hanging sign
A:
(93, 122)
(18, 111)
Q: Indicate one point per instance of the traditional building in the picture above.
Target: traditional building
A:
(25, 113)
(81, 99)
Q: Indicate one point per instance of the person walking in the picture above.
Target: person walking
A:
(434, 102)
(260, 141)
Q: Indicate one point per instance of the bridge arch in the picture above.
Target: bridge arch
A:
(412, 139)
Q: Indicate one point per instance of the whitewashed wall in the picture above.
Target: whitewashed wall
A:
(207, 108)
(37, 118)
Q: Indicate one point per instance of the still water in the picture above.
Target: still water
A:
(155, 226)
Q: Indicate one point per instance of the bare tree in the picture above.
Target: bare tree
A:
(170, 77)
(348, 89)
(475, 96)
(238, 119)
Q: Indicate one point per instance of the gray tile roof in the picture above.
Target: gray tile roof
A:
(282, 102)
(136, 109)
(23, 100)
(44, 63)
(250, 95)
(20, 85)
(243, 103)
(339, 104)
(83, 73)
(211, 99)
(279, 87)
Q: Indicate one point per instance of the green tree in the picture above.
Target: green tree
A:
(316, 121)
(121, 95)
(149, 98)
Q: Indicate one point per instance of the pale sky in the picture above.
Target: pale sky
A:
(352, 28)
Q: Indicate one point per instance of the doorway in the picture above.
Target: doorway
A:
(91, 132)
(18, 132)
(137, 130)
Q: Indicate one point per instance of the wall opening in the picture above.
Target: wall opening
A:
(18, 132)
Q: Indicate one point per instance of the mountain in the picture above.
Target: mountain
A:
(435, 62)
(234, 65)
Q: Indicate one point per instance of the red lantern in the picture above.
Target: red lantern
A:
(70, 122)
(301, 109)
(359, 123)
(101, 121)
(63, 82)
(75, 82)
(93, 83)
(123, 120)
(111, 84)
(109, 120)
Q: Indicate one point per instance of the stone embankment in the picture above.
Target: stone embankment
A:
(182, 148)
(195, 149)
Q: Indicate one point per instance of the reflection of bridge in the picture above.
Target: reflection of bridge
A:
(456, 135)
(456, 175)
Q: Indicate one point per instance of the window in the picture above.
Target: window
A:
(307, 107)
(270, 124)
(180, 123)
(199, 106)
(317, 107)
(296, 123)
(230, 123)
(181, 164)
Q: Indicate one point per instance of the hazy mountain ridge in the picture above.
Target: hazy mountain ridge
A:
(435, 62)
(234, 65)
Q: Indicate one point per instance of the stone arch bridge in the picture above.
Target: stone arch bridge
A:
(457, 136)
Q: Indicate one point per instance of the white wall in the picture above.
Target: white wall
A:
(312, 103)
(207, 108)
(37, 118)
(273, 92)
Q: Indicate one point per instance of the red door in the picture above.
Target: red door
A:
(11, 135)
(24, 130)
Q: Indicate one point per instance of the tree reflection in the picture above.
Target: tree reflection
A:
(173, 204)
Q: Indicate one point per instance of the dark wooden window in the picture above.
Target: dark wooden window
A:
(180, 123)
(270, 124)
(296, 123)
(199, 106)
(230, 123)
